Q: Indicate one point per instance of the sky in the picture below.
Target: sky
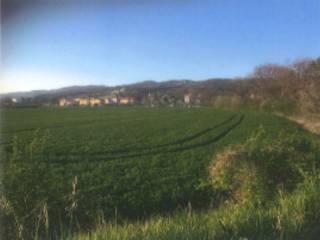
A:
(51, 44)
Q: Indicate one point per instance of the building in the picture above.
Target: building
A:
(63, 102)
(114, 100)
(125, 100)
(187, 98)
(109, 100)
(84, 101)
(106, 100)
(76, 101)
(8, 102)
(95, 101)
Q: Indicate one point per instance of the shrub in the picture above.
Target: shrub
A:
(260, 167)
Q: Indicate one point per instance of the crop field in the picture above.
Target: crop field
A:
(124, 162)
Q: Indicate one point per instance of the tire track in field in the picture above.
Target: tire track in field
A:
(123, 151)
(199, 134)
(175, 150)
(215, 139)
(76, 124)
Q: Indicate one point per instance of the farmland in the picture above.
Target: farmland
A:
(117, 162)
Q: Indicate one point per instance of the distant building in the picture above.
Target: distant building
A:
(187, 98)
(95, 101)
(125, 100)
(63, 102)
(106, 100)
(114, 100)
(109, 100)
(76, 101)
(8, 102)
(84, 101)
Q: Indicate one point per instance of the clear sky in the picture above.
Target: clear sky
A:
(116, 42)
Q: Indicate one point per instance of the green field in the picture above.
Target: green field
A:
(128, 162)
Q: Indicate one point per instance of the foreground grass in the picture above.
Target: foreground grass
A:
(271, 189)
(295, 216)
(233, 186)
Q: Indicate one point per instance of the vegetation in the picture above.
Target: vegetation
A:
(288, 89)
(66, 170)
(272, 197)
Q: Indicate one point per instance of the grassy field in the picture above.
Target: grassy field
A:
(66, 168)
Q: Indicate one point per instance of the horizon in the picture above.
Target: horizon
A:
(116, 86)
(48, 46)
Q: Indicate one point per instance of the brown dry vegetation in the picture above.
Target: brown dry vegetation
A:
(311, 123)
(256, 169)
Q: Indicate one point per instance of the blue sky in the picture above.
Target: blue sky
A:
(118, 42)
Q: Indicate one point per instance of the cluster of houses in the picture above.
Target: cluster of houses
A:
(8, 102)
(149, 100)
(94, 101)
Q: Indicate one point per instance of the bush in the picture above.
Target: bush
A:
(261, 167)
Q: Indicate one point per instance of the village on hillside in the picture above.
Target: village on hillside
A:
(119, 100)
(115, 97)
(95, 101)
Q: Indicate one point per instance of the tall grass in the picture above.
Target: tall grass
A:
(295, 216)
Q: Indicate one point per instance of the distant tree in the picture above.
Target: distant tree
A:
(7, 102)
(301, 66)
(274, 80)
(311, 91)
(272, 71)
(314, 69)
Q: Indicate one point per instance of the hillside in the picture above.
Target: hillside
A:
(286, 89)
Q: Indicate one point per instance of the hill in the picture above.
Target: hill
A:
(286, 89)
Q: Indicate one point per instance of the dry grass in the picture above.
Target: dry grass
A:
(310, 122)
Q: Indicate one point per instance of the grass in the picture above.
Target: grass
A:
(66, 170)
(291, 213)
(295, 216)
